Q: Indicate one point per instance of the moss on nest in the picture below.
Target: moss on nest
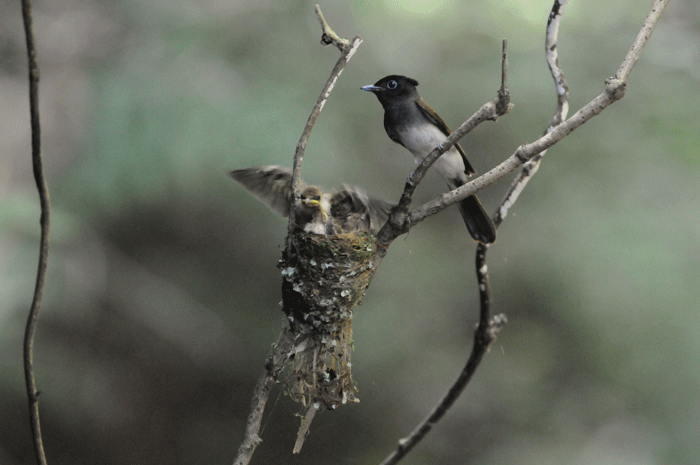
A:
(325, 278)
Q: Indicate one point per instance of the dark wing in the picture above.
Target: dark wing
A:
(272, 185)
(354, 211)
(379, 210)
(434, 118)
(350, 210)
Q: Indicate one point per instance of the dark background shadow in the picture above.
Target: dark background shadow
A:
(163, 291)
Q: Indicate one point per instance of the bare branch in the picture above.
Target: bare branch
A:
(329, 37)
(273, 366)
(348, 49)
(614, 90)
(483, 337)
(280, 354)
(490, 111)
(640, 42)
(32, 392)
(552, 56)
(531, 166)
(530, 155)
(304, 428)
(504, 105)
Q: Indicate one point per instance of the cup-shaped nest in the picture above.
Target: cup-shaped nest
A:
(325, 278)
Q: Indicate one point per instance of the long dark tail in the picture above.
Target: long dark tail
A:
(478, 222)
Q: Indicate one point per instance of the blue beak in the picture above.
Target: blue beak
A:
(372, 88)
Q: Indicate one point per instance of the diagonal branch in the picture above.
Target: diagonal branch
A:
(488, 326)
(484, 336)
(32, 392)
(490, 111)
(279, 354)
(614, 90)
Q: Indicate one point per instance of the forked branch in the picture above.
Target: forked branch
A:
(281, 352)
(614, 90)
(490, 111)
(347, 50)
(529, 156)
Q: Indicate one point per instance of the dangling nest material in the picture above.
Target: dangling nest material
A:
(325, 277)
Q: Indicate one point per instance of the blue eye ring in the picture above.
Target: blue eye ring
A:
(391, 85)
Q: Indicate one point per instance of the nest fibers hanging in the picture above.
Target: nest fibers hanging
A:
(325, 277)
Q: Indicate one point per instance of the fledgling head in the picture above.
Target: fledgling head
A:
(311, 215)
(311, 201)
(394, 88)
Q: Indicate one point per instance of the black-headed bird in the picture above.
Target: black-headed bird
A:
(347, 210)
(411, 122)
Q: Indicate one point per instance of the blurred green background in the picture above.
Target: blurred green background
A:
(162, 296)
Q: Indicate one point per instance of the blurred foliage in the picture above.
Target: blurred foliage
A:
(163, 294)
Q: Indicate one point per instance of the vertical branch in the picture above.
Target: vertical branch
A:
(347, 49)
(32, 393)
(283, 349)
(488, 327)
(531, 166)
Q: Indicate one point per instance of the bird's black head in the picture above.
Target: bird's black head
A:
(394, 88)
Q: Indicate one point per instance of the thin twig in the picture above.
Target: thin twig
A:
(273, 366)
(280, 353)
(562, 90)
(304, 428)
(329, 37)
(614, 90)
(504, 105)
(32, 392)
(490, 111)
(348, 49)
(483, 337)
(640, 42)
(489, 326)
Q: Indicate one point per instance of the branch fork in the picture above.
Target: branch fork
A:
(527, 156)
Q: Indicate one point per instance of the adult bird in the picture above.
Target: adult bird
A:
(347, 210)
(411, 122)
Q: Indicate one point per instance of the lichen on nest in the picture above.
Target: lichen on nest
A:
(324, 279)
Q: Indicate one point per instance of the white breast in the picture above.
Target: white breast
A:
(423, 140)
(449, 165)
